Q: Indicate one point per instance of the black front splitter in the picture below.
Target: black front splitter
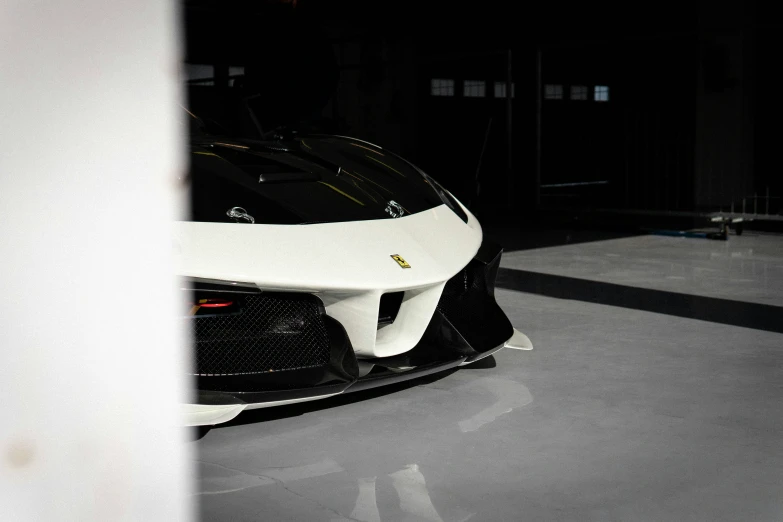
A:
(374, 380)
(367, 382)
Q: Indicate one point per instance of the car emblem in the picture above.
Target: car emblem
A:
(394, 209)
(400, 261)
(237, 213)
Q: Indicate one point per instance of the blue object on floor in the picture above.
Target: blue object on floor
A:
(686, 233)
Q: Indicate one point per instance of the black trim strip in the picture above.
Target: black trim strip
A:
(193, 284)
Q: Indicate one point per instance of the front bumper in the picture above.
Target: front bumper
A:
(348, 266)
(466, 326)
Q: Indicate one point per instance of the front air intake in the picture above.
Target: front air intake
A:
(389, 307)
(271, 332)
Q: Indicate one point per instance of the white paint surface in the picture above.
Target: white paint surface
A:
(90, 156)
(209, 414)
(350, 257)
(519, 341)
(348, 265)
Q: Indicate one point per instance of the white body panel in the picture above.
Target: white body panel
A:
(209, 415)
(349, 266)
(519, 341)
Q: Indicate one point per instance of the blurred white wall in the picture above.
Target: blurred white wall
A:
(91, 356)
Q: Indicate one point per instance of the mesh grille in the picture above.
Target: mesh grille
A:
(272, 333)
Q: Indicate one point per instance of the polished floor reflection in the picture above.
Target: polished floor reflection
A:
(622, 412)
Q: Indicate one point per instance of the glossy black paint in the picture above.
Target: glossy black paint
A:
(305, 179)
(484, 355)
(468, 301)
(257, 397)
(373, 380)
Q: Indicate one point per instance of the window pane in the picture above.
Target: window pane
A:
(601, 93)
(474, 89)
(500, 89)
(234, 71)
(578, 92)
(442, 87)
(553, 92)
(200, 74)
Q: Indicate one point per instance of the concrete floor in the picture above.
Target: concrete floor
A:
(620, 413)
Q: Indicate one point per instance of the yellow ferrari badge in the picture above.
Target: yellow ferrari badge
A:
(400, 261)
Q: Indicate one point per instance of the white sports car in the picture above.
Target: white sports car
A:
(317, 265)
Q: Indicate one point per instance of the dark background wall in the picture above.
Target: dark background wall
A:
(691, 122)
(724, 113)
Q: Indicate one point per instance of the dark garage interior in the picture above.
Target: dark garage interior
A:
(634, 182)
(624, 158)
